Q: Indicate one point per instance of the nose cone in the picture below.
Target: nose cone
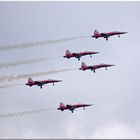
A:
(96, 52)
(89, 105)
(56, 81)
(110, 65)
(80, 68)
(124, 32)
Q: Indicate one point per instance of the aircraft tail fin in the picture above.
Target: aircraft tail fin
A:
(68, 52)
(83, 64)
(62, 105)
(30, 80)
(96, 32)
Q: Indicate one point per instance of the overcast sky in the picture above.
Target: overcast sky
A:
(114, 93)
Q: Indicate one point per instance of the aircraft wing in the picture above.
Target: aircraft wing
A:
(91, 67)
(70, 106)
(105, 34)
(76, 54)
(39, 83)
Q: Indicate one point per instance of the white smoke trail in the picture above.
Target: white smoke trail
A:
(25, 113)
(12, 85)
(22, 62)
(23, 76)
(39, 43)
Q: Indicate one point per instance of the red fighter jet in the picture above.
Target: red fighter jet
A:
(40, 83)
(78, 55)
(94, 67)
(63, 107)
(107, 35)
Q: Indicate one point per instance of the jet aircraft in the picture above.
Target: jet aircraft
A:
(78, 55)
(106, 35)
(63, 107)
(94, 67)
(40, 83)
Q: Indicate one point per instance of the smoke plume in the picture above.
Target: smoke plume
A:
(22, 62)
(23, 76)
(25, 113)
(12, 85)
(38, 43)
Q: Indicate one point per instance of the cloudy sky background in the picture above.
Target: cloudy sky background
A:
(114, 93)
